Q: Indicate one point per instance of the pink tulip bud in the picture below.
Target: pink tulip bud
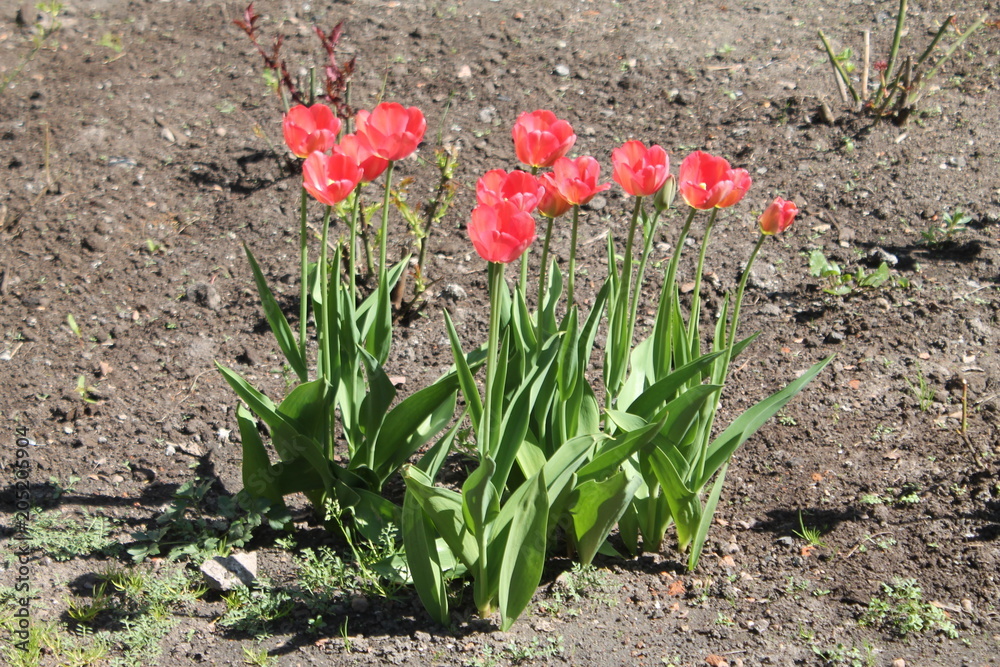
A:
(778, 216)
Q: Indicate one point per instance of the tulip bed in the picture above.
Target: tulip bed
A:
(558, 461)
(148, 211)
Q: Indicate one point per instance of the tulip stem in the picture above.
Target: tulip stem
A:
(570, 289)
(739, 294)
(493, 342)
(662, 356)
(351, 261)
(384, 237)
(668, 283)
(646, 249)
(627, 264)
(524, 266)
(543, 270)
(325, 365)
(721, 376)
(304, 261)
(696, 295)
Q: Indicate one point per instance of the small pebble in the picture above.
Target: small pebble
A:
(561, 70)
(596, 204)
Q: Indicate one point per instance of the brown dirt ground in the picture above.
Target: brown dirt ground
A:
(161, 164)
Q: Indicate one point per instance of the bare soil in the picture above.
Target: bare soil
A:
(132, 179)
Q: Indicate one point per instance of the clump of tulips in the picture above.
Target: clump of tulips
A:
(553, 464)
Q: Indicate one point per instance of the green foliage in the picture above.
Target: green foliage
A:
(519, 653)
(63, 538)
(254, 610)
(814, 536)
(48, 638)
(129, 612)
(921, 391)
(901, 609)
(351, 387)
(189, 529)
(840, 283)
(953, 223)
(849, 656)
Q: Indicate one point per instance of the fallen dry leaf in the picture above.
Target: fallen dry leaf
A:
(716, 660)
(854, 384)
(817, 477)
(806, 551)
(676, 588)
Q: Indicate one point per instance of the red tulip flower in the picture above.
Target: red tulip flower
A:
(540, 138)
(356, 147)
(392, 131)
(639, 170)
(552, 204)
(576, 179)
(309, 129)
(707, 182)
(777, 217)
(330, 178)
(518, 187)
(501, 233)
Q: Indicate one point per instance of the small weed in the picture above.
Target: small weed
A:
(938, 235)
(187, 529)
(517, 654)
(58, 490)
(786, 420)
(834, 656)
(345, 635)
(111, 41)
(379, 566)
(792, 584)
(258, 656)
(811, 535)
(881, 543)
(582, 582)
(923, 393)
(254, 610)
(62, 538)
(840, 283)
(882, 430)
(85, 391)
(73, 326)
(902, 610)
